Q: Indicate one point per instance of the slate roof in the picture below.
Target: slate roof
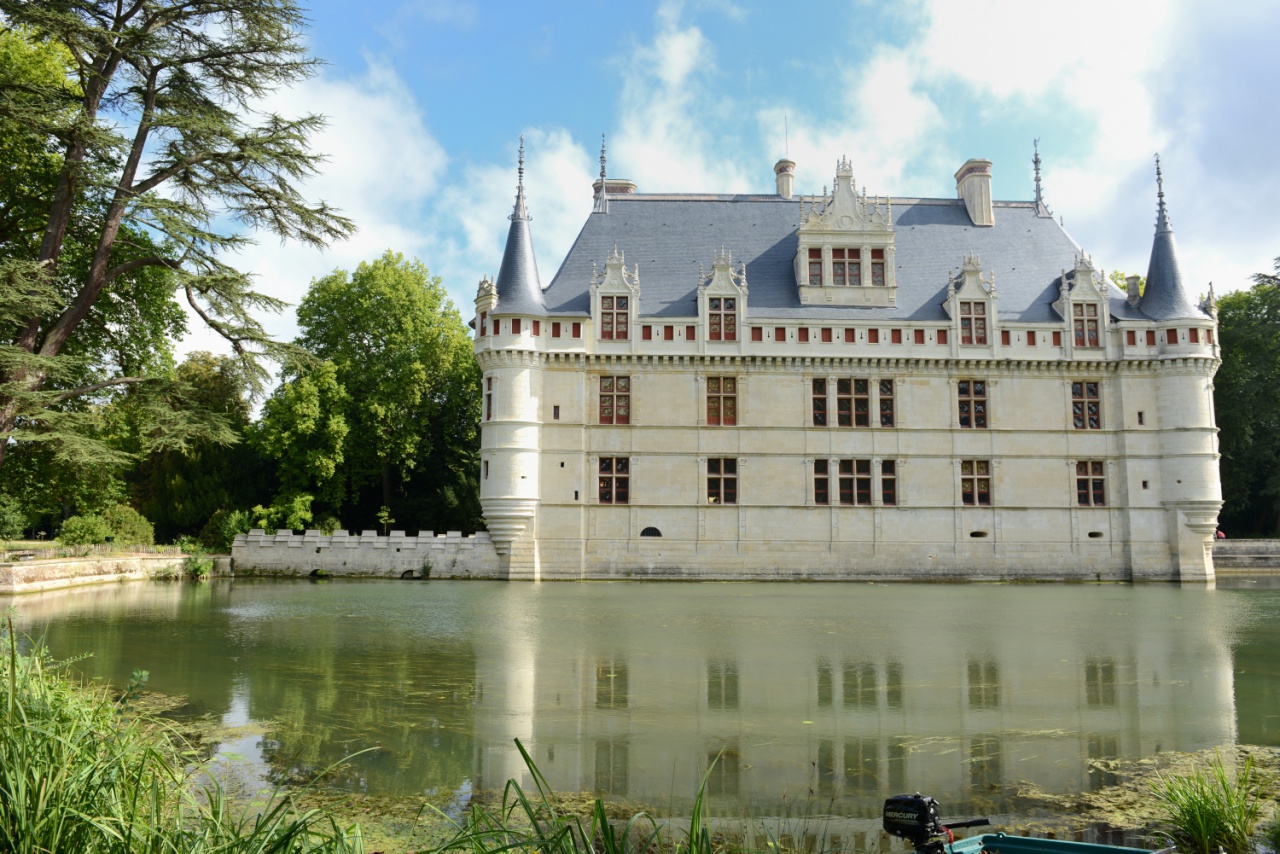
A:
(519, 288)
(668, 236)
(1165, 297)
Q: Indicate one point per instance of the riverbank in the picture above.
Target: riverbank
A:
(35, 576)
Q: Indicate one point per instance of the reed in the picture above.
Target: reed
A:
(78, 774)
(1208, 808)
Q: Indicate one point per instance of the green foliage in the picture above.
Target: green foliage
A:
(1247, 407)
(13, 521)
(129, 527)
(197, 564)
(84, 531)
(220, 531)
(1118, 279)
(134, 162)
(1209, 808)
(78, 774)
(304, 429)
(403, 358)
(180, 489)
(287, 511)
(329, 526)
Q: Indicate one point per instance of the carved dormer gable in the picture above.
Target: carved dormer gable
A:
(615, 297)
(486, 300)
(1084, 303)
(722, 298)
(844, 253)
(971, 302)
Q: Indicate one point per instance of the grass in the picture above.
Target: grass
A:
(1209, 808)
(80, 773)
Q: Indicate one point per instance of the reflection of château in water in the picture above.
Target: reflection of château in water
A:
(957, 703)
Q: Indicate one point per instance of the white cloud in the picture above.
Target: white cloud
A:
(674, 127)
(383, 163)
(473, 211)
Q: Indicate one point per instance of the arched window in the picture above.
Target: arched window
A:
(651, 532)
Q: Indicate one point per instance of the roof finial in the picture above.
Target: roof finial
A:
(602, 198)
(1041, 208)
(520, 212)
(1162, 213)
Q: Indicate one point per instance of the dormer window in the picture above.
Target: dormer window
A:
(815, 267)
(973, 322)
(846, 268)
(722, 319)
(613, 318)
(877, 268)
(1084, 320)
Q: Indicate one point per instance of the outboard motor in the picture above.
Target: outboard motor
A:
(915, 818)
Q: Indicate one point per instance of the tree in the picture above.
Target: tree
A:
(154, 154)
(180, 488)
(304, 429)
(1118, 279)
(403, 357)
(1247, 406)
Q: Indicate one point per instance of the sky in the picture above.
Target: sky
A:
(426, 101)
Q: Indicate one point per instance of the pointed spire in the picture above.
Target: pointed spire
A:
(1162, 213)
(1041, 208)
(1165, 297)
(518, 286)
(520, 212)
(602, 197)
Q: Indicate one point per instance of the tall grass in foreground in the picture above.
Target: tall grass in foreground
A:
(1209, 809)
(526, 823)
(79, 775)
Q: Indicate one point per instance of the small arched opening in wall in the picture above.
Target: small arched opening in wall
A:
(409, 573)
(977, 535)
(651, 532)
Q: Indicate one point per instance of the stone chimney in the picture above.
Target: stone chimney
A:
(973, 184)
(1134, 293)
(615, 186)
(785, 170)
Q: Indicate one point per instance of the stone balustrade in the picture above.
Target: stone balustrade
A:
(284, 553)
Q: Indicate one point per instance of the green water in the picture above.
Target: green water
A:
(842, 693)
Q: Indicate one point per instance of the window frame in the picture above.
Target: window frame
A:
(975, 483)
(722, 480)
(1091, 483)
(973, 323)
(1084, 393)
(978, 407)
(612, 473)
(722, 318)
(1086, 325)
(615, 398)
(615, 317)
(721, 398)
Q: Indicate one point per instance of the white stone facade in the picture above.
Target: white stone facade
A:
(905, 427)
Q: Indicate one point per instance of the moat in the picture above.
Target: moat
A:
(845, 693)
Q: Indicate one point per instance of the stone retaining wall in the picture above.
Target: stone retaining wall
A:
(1246, 555)
(34, 576)
(448, 555)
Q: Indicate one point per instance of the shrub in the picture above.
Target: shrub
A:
(220, 531)
(12, 520)
(197, 564)
(84, 531)
(329, 526)
(129, 526)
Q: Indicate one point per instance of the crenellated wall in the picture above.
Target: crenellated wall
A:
(367, 555)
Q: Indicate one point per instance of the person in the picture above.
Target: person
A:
(1220, 535)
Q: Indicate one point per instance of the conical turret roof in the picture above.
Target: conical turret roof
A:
(519, 288)
(1165, 296)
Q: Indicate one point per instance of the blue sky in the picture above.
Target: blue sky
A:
(427, 99)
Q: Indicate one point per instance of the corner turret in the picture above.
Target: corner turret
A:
(1165, 296)
(519, 288)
